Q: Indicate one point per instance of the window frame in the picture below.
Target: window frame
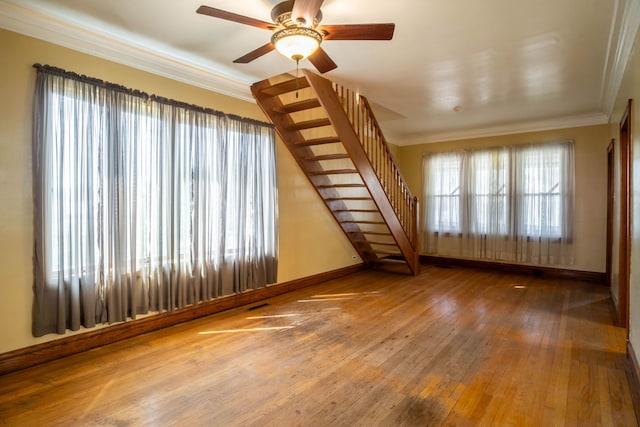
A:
(512, 193)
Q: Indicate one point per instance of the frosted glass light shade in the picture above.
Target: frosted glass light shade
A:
(296, 43)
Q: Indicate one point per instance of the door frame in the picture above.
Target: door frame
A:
(625, 218)
(610, 209)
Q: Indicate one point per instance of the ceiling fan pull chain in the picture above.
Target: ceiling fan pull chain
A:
(297, 59)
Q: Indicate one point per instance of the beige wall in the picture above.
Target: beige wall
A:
(310, 241)
(591, 181)
(394, 150)
(630, 89)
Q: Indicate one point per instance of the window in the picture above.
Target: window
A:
(542, 202)
(488, 193)
(443, 177)
(489, 196)
(144, 204)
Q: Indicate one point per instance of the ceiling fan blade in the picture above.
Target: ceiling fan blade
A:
(321, 60)
(255, 54)
(359, 32)
(306, 9)
(229, 16)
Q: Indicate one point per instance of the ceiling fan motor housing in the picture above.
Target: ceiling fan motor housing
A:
(281, 15)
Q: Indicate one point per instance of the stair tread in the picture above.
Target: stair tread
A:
(357, 221)
(318, 141)
(307, 104)
(342, 186)
(331, 199)
(284, 87)
(328, 157)
(390, 261)
(375, 233)
(371, 242)
(356, 210)
(309, 124)
(333, 172)
(374, 251)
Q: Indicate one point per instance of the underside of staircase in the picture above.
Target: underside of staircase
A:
(337, 142)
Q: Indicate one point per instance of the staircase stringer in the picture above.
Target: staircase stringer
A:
(344, 129)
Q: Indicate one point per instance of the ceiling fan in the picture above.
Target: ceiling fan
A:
(297, 34)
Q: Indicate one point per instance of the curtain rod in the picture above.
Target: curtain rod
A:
(134, 92)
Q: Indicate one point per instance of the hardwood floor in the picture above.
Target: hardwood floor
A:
(452, 347)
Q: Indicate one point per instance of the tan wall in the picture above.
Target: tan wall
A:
(591, 181)
(310, 241)
(394, 150)
(630, 89)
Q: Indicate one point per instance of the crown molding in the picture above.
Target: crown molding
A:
(591, 119)
(28, 21)
(624, 28)
(38, 25)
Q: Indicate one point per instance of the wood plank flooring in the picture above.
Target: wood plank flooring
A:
(450, 347)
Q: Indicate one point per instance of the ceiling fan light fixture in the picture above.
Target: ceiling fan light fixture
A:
(296, 43)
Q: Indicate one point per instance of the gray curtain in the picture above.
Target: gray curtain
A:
(144, 204)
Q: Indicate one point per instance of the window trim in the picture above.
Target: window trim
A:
(511, 195)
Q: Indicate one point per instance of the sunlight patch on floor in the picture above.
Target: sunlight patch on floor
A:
(272, 316)
(232, 331)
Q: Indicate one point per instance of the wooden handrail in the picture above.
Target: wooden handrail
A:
(375, 145)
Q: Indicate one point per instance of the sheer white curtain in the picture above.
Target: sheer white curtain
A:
(504, 203)
(142, 204)
(544, 203)
(488, 212)
(443, 187)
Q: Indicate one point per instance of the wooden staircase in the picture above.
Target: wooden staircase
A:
(335, 138)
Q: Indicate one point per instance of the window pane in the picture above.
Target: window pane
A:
(443, 192)
(488, 192)
(541, 207)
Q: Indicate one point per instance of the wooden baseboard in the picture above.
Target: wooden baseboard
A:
(548, 272)
(40, 353)
(633, 376)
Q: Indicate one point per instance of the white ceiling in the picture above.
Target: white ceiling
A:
(505, 65)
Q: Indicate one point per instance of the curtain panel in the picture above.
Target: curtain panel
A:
(144, 204)
(504, 203)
